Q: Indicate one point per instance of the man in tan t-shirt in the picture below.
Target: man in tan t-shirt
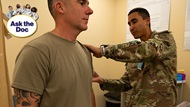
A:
(55, 70)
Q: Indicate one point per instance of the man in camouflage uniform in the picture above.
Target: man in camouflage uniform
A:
(150, 64)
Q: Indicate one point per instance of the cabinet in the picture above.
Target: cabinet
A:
(180, 91)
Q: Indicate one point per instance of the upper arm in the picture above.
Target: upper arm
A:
(26, 98)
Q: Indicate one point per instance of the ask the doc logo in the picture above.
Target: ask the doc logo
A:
(21, 26)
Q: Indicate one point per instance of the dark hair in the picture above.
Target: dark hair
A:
(27, 6)
(34, 9)
(50, 3)
(10, 6)
(143, 12)
(18, 6)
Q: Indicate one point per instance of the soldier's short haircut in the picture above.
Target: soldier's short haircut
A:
(142, 12)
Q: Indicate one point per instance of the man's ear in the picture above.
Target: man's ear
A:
(59, 7)
(148, 20)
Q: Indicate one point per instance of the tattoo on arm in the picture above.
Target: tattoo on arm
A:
(26, 98)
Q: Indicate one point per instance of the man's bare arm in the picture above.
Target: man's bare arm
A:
(26, 99)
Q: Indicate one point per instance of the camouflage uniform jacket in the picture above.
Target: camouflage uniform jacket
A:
(150, 70)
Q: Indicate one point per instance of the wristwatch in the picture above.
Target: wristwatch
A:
(102, 49)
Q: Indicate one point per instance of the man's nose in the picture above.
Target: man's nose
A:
(131, 27)
(89, 11)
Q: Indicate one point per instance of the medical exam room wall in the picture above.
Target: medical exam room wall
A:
(106, 25)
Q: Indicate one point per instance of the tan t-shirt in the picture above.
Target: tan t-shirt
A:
(59, 70)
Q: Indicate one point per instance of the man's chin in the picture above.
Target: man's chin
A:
(136, 36)
(84, 29)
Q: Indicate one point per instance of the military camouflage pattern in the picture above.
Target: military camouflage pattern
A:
(150, 70)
